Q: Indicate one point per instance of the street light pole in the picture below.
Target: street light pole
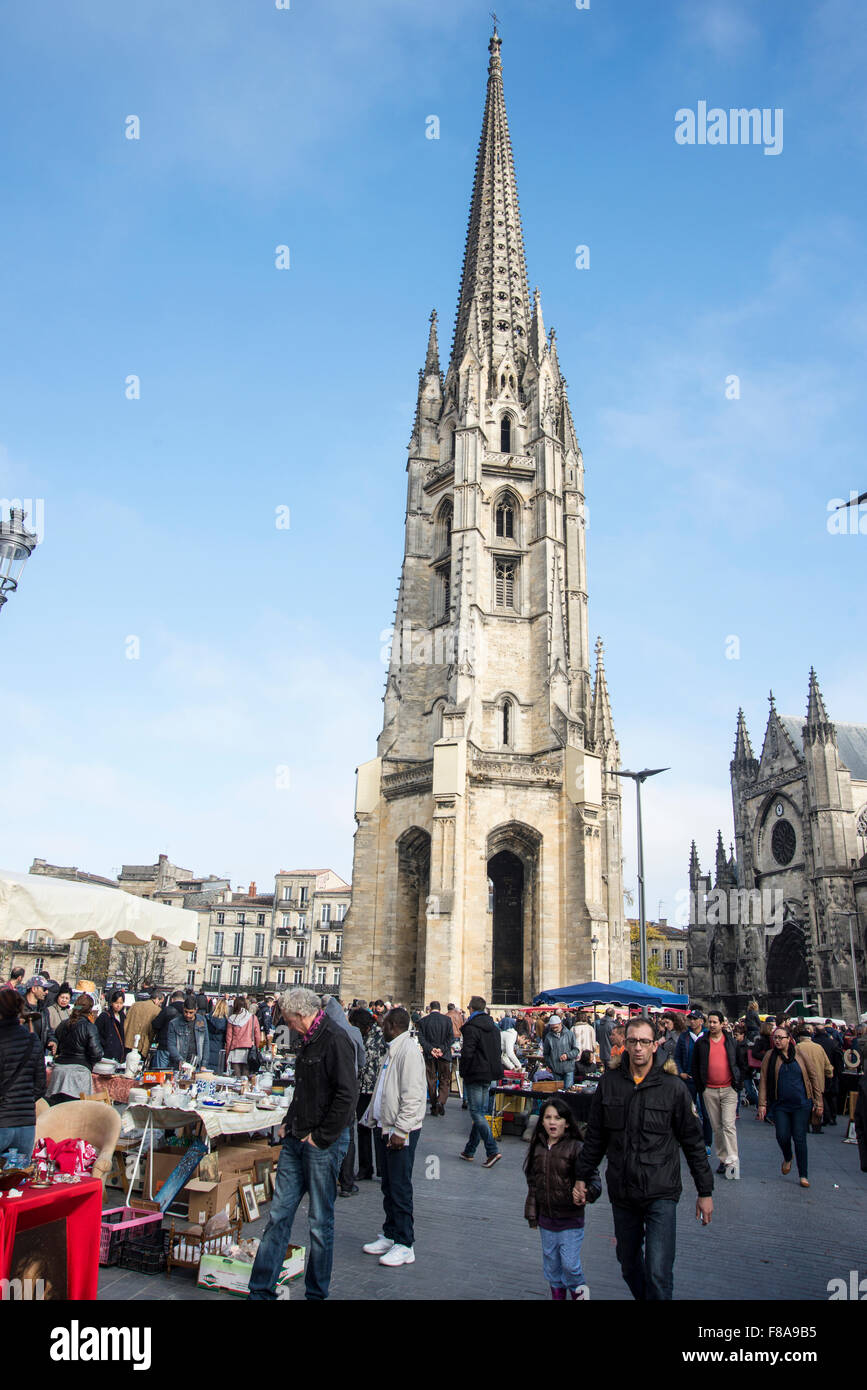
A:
(594, 942)
(854, 970)
(638, 778)
(17, 544)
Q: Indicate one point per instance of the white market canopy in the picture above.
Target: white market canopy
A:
(70, 911)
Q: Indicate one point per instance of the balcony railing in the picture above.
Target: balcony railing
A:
(327, 955)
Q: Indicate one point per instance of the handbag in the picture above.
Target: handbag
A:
(254, 1058)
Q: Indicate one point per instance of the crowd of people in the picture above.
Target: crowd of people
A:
(366, 1078)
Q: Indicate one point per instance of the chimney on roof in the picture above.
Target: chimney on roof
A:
(252, 888)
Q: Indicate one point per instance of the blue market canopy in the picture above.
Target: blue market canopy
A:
(622, 992)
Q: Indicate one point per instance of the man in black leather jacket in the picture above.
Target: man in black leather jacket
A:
(642, 1117)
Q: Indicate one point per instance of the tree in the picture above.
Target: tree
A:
(136, 964)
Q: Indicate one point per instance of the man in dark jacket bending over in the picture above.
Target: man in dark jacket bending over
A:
(315, 1138)
(642, 1117)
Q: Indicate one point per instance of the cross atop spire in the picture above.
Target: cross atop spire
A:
(494, 295)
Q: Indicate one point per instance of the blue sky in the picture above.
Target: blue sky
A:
(261, 388)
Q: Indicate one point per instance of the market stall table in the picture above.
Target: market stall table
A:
(215, 1121)
(79, 1204)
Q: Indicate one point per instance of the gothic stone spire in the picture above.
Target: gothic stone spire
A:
(494, 292)
(818, 728)
(601, 723)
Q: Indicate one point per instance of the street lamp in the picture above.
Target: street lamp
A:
(594, 942)
(638, 778)
(16, 546)
(854, 968)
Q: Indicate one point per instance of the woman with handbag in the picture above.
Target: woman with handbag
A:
(790, 1080)
(242, 1034)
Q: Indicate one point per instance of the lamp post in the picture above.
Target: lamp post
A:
(16, 546)
(854, 969)
(594, 942)
(638, 778)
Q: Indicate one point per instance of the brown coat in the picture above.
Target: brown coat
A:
(820, 1058)
(814, 1080)
(140, 1020)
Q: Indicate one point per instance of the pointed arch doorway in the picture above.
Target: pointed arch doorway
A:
(513, 863)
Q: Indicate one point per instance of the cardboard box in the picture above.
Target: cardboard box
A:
(207, 1198)
(219, 1272)
(160, 1164)
(242, 1158)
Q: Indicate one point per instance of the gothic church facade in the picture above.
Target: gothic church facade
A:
(800, 816)
(488, 840)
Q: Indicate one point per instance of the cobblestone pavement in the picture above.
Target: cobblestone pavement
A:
(769, 1239)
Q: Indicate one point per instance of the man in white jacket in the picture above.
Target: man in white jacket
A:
(396, 1112)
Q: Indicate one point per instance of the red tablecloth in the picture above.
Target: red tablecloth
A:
(118, 1087)
(80, 1206)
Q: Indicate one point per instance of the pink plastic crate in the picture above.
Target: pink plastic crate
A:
(118, 1223)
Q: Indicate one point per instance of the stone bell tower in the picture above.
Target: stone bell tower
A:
(488, 841)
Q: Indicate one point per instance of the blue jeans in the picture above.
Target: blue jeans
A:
(791, 1127)
(707, 1128)
(750, 1091)
(301, 1168)
(158, 1059)
(476, 1095)
(396, 1168)
(20, 1137)
(565, 1078)
(646, 1234)
(561, 1257)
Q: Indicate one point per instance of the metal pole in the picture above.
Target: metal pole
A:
(854, 970)
(642, 923)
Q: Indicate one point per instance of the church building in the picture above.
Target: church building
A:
(488, 843)
(789, 903)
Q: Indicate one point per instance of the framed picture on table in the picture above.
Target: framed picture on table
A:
(249, 1205)
(259, 1192)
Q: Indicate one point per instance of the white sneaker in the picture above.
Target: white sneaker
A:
(398, 1255)
(378, 1246)
(733, 1170)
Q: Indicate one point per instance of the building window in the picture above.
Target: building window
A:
(783, 842)
(341, 911)
(453, 442)
(215, 975)
(38, 965)
(504, 583)
(680, 960)
(191, 977)
(323, 943)
(235, 975)
(504, 519)
(281, 949)
(666, 960)
(299, 950)
(681, 986)
(218, 943)
(259, 944)
(338, 943)
(260, 920)
(326, 912)
(281, 977)
(506, 434)
(336, 975)
(444, 522)
(191, 958)
(256, 975)
(242, 919)
(31, 938)
(655, 952)
(302, 921)
(284, 919)
(444, 598)
(285, 893)
(297, 977)
(507, 724)
(239, 943)
(302, 894)
(320, 974)
(221, 919)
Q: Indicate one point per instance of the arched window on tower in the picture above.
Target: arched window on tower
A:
(437, 720)
(506, 723)
(443, 528)
(506, 434)
(453, 442)
(504, 518)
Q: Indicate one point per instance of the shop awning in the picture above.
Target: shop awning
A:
(621, 992)
(69, 911)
